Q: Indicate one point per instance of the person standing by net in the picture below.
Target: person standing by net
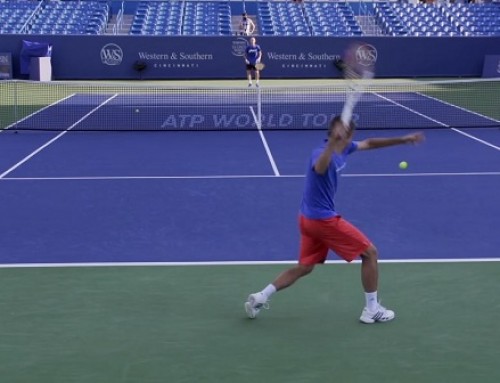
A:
(253, 56)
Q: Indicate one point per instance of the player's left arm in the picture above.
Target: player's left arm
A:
(251, 26)
(382, 142)
(259, 57)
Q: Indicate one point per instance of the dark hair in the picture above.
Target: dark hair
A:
(337, 119)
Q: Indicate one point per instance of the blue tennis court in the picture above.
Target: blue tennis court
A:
(216, 182)
(210, 194)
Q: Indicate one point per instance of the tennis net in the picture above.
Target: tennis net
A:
(87, 106)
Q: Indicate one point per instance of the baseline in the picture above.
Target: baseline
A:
(233, 263)
(242, 176)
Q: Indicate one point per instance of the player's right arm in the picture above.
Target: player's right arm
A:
(323, 162)
(246, 56)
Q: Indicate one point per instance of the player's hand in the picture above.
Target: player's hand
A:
(247, 62)
(414, 138)
(339, 136)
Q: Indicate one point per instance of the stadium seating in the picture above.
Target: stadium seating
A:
(15, 15)
(331, 19)
(282, 19)
(206, 18)
(53, 17)
(62, 17)
(400, 19)
(182, 18)
(273, 18)
(158, 18)
(475, 19)
(414, 20)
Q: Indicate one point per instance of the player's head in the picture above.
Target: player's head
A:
(252, 41)
(338, 128)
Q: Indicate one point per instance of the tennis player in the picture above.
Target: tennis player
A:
(253, 55)
(322, 228)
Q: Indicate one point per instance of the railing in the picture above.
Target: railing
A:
(119, 21)
(24, 28)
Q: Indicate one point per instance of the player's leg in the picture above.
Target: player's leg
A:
(249, 75)
(349, 242)
(312, 252)
(259, 300)
(290, 276)
(369, 269)
(373, 310)
(257, 77)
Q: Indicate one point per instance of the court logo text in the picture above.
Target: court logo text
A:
(366, 55)
(111, 54)
(238, 46)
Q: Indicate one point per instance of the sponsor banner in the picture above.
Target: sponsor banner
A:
(491, 66)
(200, 57)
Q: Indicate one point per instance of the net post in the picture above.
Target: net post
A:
(259, 109)
(16, 117)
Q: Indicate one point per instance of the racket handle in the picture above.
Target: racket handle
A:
(353, 96)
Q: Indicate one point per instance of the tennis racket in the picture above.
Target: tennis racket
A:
(260, 66)
(356, 66)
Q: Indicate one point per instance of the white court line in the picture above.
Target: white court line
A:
(264, 142)
(467, 111)
(243, 176)
(29, 156)
(411, 110)
(38, 111)
(475, 138)
(232, 263)
(441, 123)
(457, 107)
(244, 106)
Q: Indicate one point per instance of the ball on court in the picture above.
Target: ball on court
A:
(137, 110)
(403, 165)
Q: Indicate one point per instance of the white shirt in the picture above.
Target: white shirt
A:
(247, 26)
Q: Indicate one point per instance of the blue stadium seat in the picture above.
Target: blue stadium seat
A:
(69, 18)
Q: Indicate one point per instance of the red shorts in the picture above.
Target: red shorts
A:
(336, 234)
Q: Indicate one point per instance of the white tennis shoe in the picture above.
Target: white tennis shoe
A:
(381, 314)
(255, 303)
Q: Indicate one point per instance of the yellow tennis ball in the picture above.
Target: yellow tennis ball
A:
(403, 165)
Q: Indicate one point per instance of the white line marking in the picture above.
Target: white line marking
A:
(411, 110)
(232, 263)
(242, 176)
(38, 111)
(422, 174)
(197, 106)
(441, 123)
(467, 111)
(29, 156)
(475, 138)
(264, 142)
(457, 107)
